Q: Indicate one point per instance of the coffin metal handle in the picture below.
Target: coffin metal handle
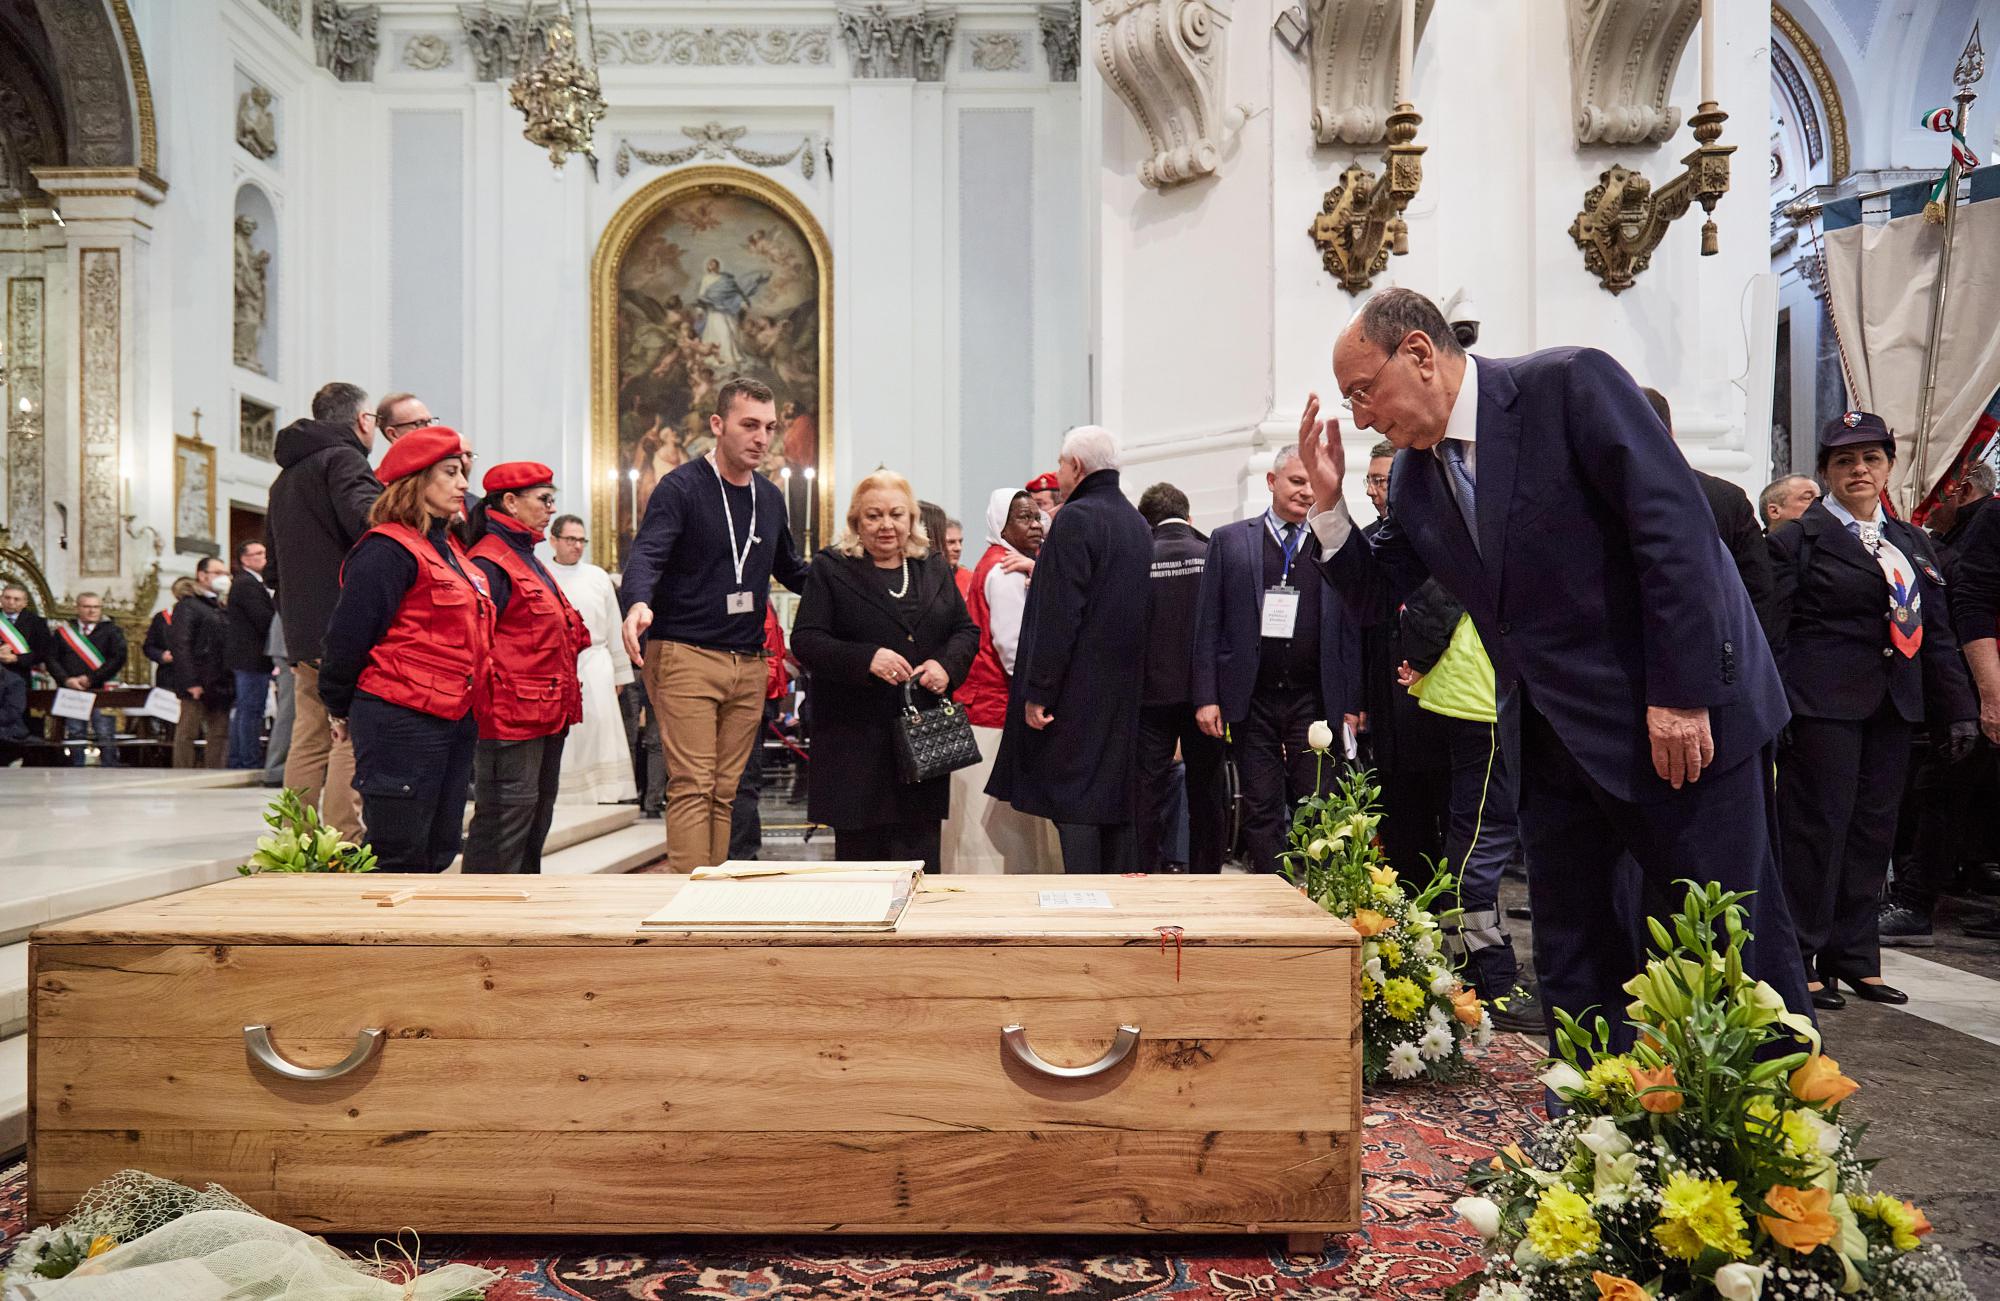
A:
(257, 1038)
(1016, 1039)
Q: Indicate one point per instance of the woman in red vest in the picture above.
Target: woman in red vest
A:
(531, 695)
(405, 648)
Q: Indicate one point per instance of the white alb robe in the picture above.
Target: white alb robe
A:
(597, 761)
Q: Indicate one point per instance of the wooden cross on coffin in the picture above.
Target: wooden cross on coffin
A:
(390, 898)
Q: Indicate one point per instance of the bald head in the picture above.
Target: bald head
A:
(1399, 368)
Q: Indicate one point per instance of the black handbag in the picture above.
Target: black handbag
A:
(932, 742)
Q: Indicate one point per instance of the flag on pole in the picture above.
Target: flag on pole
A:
(1963, 158)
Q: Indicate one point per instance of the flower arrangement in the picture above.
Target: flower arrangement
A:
(52, 1251)
(1706, 1162)
(1416, 1015)
(302, 843)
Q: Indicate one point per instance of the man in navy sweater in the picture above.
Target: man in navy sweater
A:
(712, 537)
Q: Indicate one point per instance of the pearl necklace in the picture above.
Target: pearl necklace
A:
(904, 590)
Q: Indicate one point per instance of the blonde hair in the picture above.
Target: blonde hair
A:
(916, 546)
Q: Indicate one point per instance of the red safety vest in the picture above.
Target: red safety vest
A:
(435, 651)
(984, 692)
(531, 686)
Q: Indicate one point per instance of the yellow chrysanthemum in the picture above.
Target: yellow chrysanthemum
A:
(1699, 1213)
(1903, 1220)
(1609, 1079)
(1369, 990)
(1403, 997)
(1392, 953)
(1562, 1225)
(1792, 1127)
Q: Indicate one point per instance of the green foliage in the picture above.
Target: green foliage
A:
(300, 842)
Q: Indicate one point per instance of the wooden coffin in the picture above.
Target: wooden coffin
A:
(543, 1065)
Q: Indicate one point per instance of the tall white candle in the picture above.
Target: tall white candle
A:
(1708, 51)
(1408, 52)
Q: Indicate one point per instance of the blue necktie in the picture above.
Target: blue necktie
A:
(1452, 451)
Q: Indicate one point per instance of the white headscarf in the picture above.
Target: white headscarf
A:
(996, 516)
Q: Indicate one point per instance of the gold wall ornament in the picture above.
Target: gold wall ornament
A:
(1360, 221)
(559, 93)
(1625, 216)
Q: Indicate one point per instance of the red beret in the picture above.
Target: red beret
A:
(1045, 483)
(419, 450)
(512, 476)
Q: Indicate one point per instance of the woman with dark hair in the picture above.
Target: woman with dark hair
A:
(881, 618)
(531, 695)
(1866, 650)
(406, 648)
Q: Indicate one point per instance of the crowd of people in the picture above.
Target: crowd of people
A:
(1548, 667)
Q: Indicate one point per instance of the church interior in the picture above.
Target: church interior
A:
(945, 233)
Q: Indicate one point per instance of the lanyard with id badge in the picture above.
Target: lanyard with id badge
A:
(1281, 602)
(742, 601)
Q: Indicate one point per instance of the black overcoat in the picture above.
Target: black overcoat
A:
(845, 616)
(1082, 657)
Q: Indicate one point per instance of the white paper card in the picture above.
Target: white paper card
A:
(73, 704)
(163, 705)
(800, 902)
(1281, 611)
(739, 603)
(1075, 899)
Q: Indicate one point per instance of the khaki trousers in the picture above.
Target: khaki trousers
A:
(709, 704)
(317, 764)
(201, 722)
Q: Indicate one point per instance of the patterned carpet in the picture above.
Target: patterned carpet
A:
(1418, 1143)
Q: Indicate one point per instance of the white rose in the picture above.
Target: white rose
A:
(1562, 1078)
(1373, 970)
(1826, 1134)
(1602, 1137)
(1319, 736)
(1443, 983)
(1427, 947)
(1482, 1213)
(1739, 1282)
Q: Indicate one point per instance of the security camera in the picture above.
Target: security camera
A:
(1463, 314)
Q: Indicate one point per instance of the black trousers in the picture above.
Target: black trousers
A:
(412, 771)
(1416, 809)
(1277, 769)
(1940, 822)
(896, 840)
(1098, 848)
(746, 817)
(1721, 828)
(1161, 728)
(1484, 836)
(1839, 784)
(513, 803)
(642, 733)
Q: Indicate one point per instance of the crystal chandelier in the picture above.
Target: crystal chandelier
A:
(558, 92)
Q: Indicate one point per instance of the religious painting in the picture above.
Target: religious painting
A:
(194, 495)
(706, 275)
(256, 429)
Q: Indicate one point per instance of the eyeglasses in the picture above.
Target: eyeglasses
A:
(1358, 395)
(546, 498)
(577, 538)
(1378, 481)
(425, 423)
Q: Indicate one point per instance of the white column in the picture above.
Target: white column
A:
(877, 283)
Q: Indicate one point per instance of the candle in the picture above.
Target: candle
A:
(1409, 48)
(812, 509)
(632, 486)
(1708, 51)
(785, 473)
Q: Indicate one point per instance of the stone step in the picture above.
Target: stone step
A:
(13, 990)
(13, 1094)
(625, 850)
(576, 823)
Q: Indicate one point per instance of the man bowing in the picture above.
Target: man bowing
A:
(1636, 686)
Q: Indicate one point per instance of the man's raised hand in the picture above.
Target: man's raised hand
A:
(1321, 453)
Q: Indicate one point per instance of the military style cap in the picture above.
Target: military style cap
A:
(1853, 427)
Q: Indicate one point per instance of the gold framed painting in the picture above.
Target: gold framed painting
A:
(703, 275)
(194, 495)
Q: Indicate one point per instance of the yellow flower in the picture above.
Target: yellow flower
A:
(1608, 1078)
(1369, 990)
(1903, 1220)
(104, 1242)
(1820, 1080)
(1656, 1090)
(1562, 1225)
(1613, 1287)
(1382, 875)
(1369, 923)
(1392, 953)
(1511, 1152)
(1699, 1213)
(1465, 1006)
(1656, 997)
(1799, 1218)
(1403, 997)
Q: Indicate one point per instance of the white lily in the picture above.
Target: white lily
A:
(1482, 1213)
(1737, 1281)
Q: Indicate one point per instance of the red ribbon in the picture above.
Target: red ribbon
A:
(1176, 932)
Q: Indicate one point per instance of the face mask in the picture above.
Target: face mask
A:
(220, 584)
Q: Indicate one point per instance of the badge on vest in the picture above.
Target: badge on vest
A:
(1281, 611)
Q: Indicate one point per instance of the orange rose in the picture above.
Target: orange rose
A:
(1611, 1287)
(1511, 1150)
(1923, 1224)
(1663, 1103)
(1465, 1006)
(1369, 923)
(1802, 1221)
(1820, 1080)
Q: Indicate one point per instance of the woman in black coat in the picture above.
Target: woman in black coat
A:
(1866, 651)
(880, 611)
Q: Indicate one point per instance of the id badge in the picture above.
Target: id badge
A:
(1281, 611)
(739, 603)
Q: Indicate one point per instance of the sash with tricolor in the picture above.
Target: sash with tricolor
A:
(11, 637)
(81, 646)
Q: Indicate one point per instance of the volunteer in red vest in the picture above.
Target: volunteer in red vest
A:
(406, 646)
(531, 696)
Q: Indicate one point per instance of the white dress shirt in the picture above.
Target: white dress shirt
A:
(1332, 526)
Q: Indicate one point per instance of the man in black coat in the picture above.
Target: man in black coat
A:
(87, 655)
(200, 641)
(1072, 730)
(1736, 524)
(24, 637)
(319, 509)
(249, 614)
(1166, 715)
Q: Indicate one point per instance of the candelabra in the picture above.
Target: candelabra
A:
(1360, 221)
(1625, 216)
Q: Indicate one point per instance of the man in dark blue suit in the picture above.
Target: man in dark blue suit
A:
(1275, 651)
(1636, 686)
